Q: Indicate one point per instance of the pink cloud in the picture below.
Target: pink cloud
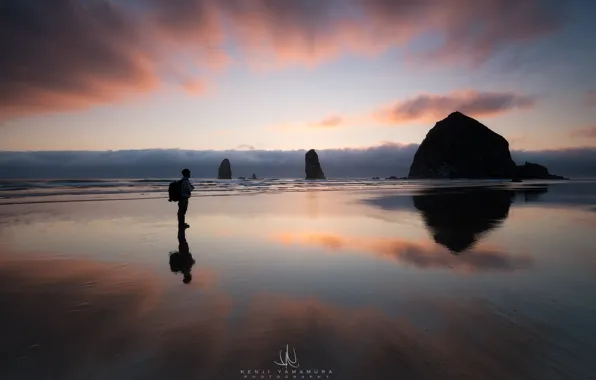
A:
(94, 57)
(330, 122)
(194, 86)
(426, 108)
(591, 98)
(420, 254)
(589, 133)
(431, 107)
(121, 51)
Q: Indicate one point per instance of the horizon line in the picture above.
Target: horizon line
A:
(389, 145)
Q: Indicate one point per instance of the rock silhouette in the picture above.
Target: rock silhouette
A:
(458, 217)
(225, 170)
(461, 147)
(534, 171)
(312, 165)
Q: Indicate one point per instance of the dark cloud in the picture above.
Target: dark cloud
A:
(473, 30)
(384, 160)
(69, 54)
(430, 107)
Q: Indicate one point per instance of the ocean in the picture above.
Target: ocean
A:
(65, 190)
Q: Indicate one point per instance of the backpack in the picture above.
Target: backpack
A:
(174, 191)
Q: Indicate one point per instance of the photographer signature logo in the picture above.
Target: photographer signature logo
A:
(287, 361)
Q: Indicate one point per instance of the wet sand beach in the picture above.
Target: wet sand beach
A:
(491, 282)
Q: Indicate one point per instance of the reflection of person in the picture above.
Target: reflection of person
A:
(182, 261)
(186, 189)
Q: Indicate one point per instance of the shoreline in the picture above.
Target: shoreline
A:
(98, 194)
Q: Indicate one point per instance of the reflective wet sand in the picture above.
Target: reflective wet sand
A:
(453, 284)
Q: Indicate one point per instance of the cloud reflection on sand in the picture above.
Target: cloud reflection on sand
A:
(116, 335)
(420, 254)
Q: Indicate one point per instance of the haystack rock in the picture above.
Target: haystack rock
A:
(225, 170)
(461, 147)
(312, 166)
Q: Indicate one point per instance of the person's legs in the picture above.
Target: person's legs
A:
(182, 207)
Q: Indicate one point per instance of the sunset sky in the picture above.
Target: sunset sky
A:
(292, 74)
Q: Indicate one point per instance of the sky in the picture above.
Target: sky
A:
(285, 75)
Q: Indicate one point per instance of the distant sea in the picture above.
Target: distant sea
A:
(66, 190)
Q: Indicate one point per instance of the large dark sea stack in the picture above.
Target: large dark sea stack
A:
(225, 170)
(461, 147)
(312, 166)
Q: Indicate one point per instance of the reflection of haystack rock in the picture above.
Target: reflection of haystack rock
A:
(225, 170)
(312, 165)
(457, 218)
(532, 194)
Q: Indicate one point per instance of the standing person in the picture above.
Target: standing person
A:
(185, 190)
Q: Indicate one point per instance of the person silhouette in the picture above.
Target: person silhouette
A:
(185, 193)
(182, 260)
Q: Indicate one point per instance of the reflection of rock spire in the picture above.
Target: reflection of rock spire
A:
(457, 218)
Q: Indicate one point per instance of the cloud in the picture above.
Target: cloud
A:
(382, 161)
(591, 98)
(72, 54)
(194, 86)
(68, 54)
(329, 122)
(246, 146)
(470, 31)
(431, 107)
(589, 133)
(309, 32)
